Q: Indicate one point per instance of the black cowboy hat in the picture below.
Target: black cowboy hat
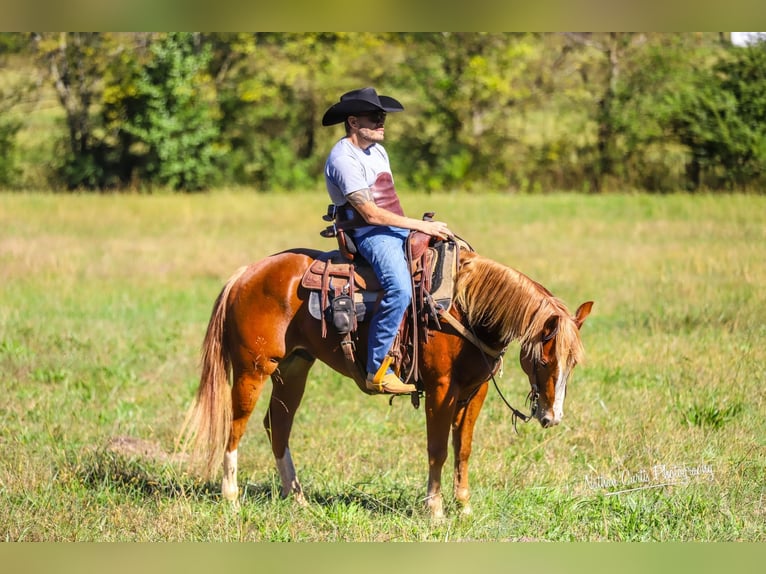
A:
(357, 102)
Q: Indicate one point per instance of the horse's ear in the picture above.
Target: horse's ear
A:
(582, 313)
(551, 328)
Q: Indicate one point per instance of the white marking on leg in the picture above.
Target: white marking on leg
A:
(560, 390)
(435, 506)
(229, 488)
(463, 496)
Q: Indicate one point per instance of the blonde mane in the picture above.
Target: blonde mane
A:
(512, 306)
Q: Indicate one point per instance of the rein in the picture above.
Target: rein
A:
(471, 336)
(496, 354)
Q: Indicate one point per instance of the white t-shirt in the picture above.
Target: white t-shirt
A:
(349, 169)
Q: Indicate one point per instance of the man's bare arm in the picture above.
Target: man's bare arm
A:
(363, 202)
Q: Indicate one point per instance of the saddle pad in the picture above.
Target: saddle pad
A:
(364, 303)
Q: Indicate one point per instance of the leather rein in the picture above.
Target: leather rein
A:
(497, 355)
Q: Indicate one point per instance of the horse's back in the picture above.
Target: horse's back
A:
(269, 289)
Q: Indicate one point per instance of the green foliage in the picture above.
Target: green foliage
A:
(169, 115)
(273, 90)
(14, 91)
(721, 118)
(12, 42)
(651, 158)
(9, 127)
(509, 112)
(74, 64)
(465, 91)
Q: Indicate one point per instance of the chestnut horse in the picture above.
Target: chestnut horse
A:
(261, 327)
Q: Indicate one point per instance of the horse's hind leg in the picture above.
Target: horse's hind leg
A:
(289, 384)
(247, 387)
(462, 437)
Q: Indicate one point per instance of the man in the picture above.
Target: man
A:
(360, 184)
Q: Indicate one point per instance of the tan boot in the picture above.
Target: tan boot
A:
(389, 383)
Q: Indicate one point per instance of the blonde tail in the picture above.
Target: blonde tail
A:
(205, 430)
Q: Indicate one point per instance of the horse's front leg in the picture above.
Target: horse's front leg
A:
(440, 407)
(462, 437)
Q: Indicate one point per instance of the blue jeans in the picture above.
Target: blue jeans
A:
(383, 248)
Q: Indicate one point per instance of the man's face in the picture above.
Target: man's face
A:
(371, 126)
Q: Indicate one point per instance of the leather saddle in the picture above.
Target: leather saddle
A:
(344, 291)
(433, 266)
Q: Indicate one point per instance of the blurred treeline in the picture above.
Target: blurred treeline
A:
(483, 111)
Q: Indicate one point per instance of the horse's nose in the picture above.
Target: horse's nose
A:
(548, 421)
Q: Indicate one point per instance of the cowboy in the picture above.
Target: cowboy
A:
(361, 185)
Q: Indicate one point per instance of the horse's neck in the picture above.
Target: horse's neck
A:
(517, 301)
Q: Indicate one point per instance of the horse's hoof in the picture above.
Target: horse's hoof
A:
(437, 517)
(296, 496)
(230, 494)
(233, 502)
(436, 511)
(300, 499)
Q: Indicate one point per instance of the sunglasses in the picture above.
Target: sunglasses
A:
(375, 117)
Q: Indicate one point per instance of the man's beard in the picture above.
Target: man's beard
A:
(372, 135)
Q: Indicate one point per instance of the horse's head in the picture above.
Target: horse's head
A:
(548, 373)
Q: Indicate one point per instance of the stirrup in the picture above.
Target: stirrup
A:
(383, 382)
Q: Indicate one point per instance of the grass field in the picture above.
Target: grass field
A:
(104, 301)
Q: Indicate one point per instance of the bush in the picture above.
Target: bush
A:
(722, 119)
(8, 129)
(172, 111)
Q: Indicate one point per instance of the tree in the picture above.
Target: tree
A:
(9, 127)
(12, 93)
(139, 108)
(75, 63)
(613, 46)
(169, 113)
(650, 157)
(465, 88)
(483, 110)
(721, 117)
(273, 90)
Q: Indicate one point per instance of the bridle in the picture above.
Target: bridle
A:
(531, 400)
(532, 397)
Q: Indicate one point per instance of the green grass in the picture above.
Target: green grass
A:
(104, 301)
